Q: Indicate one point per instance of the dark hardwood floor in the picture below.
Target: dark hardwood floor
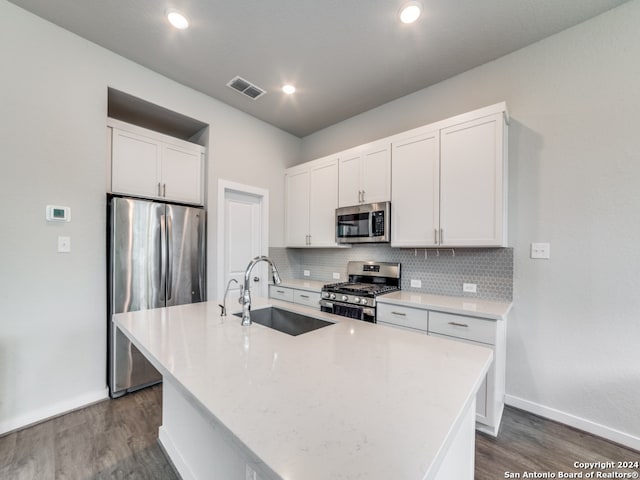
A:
(113, 439)
(117, 439)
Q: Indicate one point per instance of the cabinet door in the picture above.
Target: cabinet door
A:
(349, 191)
(181, 174)
(323, 201)
(135, 167)
(485, 395)
(297, 219)
(415, 191)
(471, 188)
(376, 173)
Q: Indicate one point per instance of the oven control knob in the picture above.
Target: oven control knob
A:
(356, 299)
(332, 296)
(363, 301)
(344, 298)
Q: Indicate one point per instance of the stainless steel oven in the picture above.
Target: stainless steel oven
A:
(367, 223)
(356, 298)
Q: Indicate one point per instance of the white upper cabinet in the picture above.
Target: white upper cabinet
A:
(449, 182)
(311, 202)
(415, 210)
(365, 174)
(473, 186)
(152, 165)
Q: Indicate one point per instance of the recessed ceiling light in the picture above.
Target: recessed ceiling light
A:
(177, 19)
(410, 12)
(288, 89)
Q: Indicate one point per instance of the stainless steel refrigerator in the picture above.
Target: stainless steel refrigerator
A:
(156, 259)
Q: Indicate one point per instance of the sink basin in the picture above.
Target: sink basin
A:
(286, 321)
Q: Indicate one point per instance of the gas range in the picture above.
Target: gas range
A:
(356, 298)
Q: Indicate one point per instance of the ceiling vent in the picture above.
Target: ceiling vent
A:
(247, 88)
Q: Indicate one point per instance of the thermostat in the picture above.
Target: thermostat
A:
(58, 214)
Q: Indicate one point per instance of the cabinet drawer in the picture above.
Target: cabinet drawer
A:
(403, 316)
(303, 297)
(281, 293)
(460, 326)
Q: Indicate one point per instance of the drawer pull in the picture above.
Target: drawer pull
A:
(280, 291)
(304, 296)
(399, 314)
(456, 324)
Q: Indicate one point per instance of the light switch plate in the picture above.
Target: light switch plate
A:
(336, 276)
(64, 244)
(540, 250)
(307, 273)
(416, 283)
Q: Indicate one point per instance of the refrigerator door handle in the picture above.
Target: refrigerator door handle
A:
(169, 240)
(163, 254)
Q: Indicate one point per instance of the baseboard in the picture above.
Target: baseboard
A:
(173, 455)
(583, 424)
(55, 410)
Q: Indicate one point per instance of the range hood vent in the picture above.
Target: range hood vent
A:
(246, 88)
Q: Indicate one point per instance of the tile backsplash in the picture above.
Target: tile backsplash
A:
(441, 271)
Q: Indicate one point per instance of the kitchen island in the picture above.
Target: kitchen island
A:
(352, 400)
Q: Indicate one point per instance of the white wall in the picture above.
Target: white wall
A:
(53, 107)
(574, 98)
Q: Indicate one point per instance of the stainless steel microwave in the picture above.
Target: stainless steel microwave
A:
(367, 223)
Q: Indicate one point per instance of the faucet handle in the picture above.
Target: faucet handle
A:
(223, 310)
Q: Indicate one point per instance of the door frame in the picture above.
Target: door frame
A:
(225, 186)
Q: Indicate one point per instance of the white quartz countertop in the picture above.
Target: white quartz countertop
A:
(442, 303)
(353, 400)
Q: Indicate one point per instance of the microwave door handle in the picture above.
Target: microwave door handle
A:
(371, 224)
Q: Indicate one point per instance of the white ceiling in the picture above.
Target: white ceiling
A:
(344, 56)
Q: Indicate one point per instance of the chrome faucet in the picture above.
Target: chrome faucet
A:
(245, 294)
(223, 307)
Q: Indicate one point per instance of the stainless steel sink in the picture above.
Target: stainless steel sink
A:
(286, 321)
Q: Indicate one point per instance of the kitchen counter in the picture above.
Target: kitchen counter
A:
(442, 303)
(352, 400)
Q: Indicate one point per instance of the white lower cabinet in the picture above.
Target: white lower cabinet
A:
(404, 317)
(281, 293)
(295, 295)
(475, 330)
(304, 297)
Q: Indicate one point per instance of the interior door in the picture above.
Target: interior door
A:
(243, 241)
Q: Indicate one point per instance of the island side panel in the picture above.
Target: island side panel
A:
(459, 460)
(198, 446)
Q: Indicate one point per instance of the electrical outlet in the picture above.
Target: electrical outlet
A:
(541, 250)
(307, 273)
(250, 473)
(416, 283)
(469, 287)
(336, 276)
